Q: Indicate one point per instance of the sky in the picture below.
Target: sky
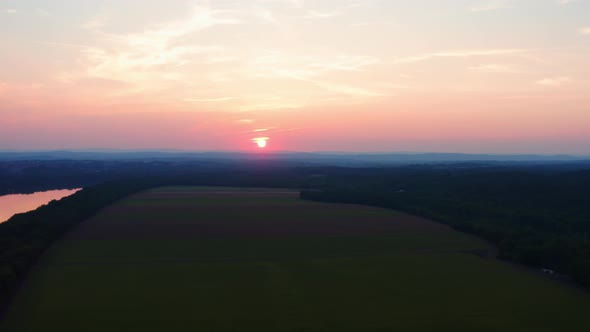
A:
(472, 76)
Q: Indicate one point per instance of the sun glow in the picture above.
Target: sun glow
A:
(260, 141)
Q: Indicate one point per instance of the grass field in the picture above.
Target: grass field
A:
(223, 259)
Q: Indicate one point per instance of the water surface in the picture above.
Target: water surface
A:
(19, 203)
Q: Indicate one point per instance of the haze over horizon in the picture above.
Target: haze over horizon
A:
(470, 76)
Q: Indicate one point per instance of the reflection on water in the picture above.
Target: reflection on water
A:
(12, 204)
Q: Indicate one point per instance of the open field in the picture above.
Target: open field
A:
(227, 259)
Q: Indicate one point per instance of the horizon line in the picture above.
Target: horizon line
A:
(275, 152)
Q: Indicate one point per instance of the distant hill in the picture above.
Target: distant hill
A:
(320, 158)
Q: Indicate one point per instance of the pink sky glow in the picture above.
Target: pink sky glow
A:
(325, 75)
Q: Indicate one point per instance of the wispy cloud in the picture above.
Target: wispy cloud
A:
(94, 24)
(315, 70)
(346, 63)
(584, 30)
(490, 6)
(297, 3)
(565, 2)
(137, 57)
(349, 90)
(9, 11)
(156, 62)
(266, 16)
(256, 104)
(495, 68)
(458, 54)
(342, 8)
(60, 44)
(371, 24)
(292, 3)
(208, 100)
(43, 13)
(314, 15)
(279, 64)
(554, 81)
(272, 130)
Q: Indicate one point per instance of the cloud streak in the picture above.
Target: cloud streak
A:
(148, 62)
(565, 2)
(208, 100)
(459, 54)
(495, 68)
(554, 81)
(490, 6)
(316, 15)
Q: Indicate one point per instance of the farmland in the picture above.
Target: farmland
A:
(228, 259)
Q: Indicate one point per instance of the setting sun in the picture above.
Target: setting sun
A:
(260, 141)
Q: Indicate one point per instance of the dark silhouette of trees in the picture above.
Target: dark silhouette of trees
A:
(536, 217)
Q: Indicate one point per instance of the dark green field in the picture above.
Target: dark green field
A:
(222, 259)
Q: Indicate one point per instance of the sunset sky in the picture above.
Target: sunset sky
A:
(327, 75)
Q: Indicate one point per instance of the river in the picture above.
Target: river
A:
(18, 203)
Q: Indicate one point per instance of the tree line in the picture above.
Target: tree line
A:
(537, 217)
